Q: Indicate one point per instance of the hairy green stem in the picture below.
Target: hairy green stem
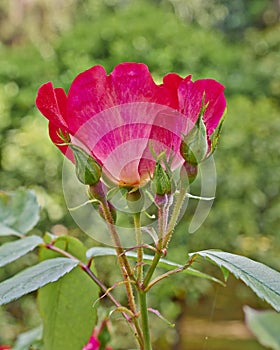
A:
(144, 319)
(120, 252)
(168, 274)
(152, 268)
(164, 238)
(125, 269)
(138, 233)
(174, 217)
(158, 254)
(123, 261)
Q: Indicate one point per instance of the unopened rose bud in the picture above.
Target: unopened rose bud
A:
(162, 183)
(88, 171)
(194, 146)
(97, 191)
(163, 200)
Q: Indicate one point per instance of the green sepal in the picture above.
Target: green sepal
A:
(162, 182)
(217, 133)
(194, 146)
(64, 136)
(88, 171)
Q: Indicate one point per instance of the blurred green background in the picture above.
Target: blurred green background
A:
(237, 43)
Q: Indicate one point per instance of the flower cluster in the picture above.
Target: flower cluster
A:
(118, 124)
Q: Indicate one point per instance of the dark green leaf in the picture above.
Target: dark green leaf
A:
(34, 277)
(263, 280)
(19, 212)
(164, 263)
(66, 306)
(13, 250)
(265, 325)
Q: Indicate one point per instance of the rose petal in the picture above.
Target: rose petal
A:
(56, 139)
(89, 94)
(191, 95)
(93, 91)
(52, 103)
(132, 82)
(214, 113)
(166, 135)
(171, 82)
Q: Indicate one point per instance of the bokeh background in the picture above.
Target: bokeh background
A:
(237, 43)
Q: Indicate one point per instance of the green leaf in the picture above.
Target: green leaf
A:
(225, 273)
(13, 250)
(29, 338)
(19, 212)
(34, 277)
(263, 280)
(265, 326)
(66, 306)
(164, 263)
(104, 335)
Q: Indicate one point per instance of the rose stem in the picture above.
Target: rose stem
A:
(139, 243)
(174, 217)
(124, 264)
(163, 210)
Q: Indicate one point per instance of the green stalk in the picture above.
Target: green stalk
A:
(165, 238)
(121, 254)
(144, 319)
(138, 234)
(152, 268)
(158, 254)
(123, 261)
(174, 217)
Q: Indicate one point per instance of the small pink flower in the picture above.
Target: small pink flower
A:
(5, 347)
(93, 343)
(116, 118)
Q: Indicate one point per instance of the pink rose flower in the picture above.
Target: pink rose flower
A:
(118, 118)
(94, 343)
